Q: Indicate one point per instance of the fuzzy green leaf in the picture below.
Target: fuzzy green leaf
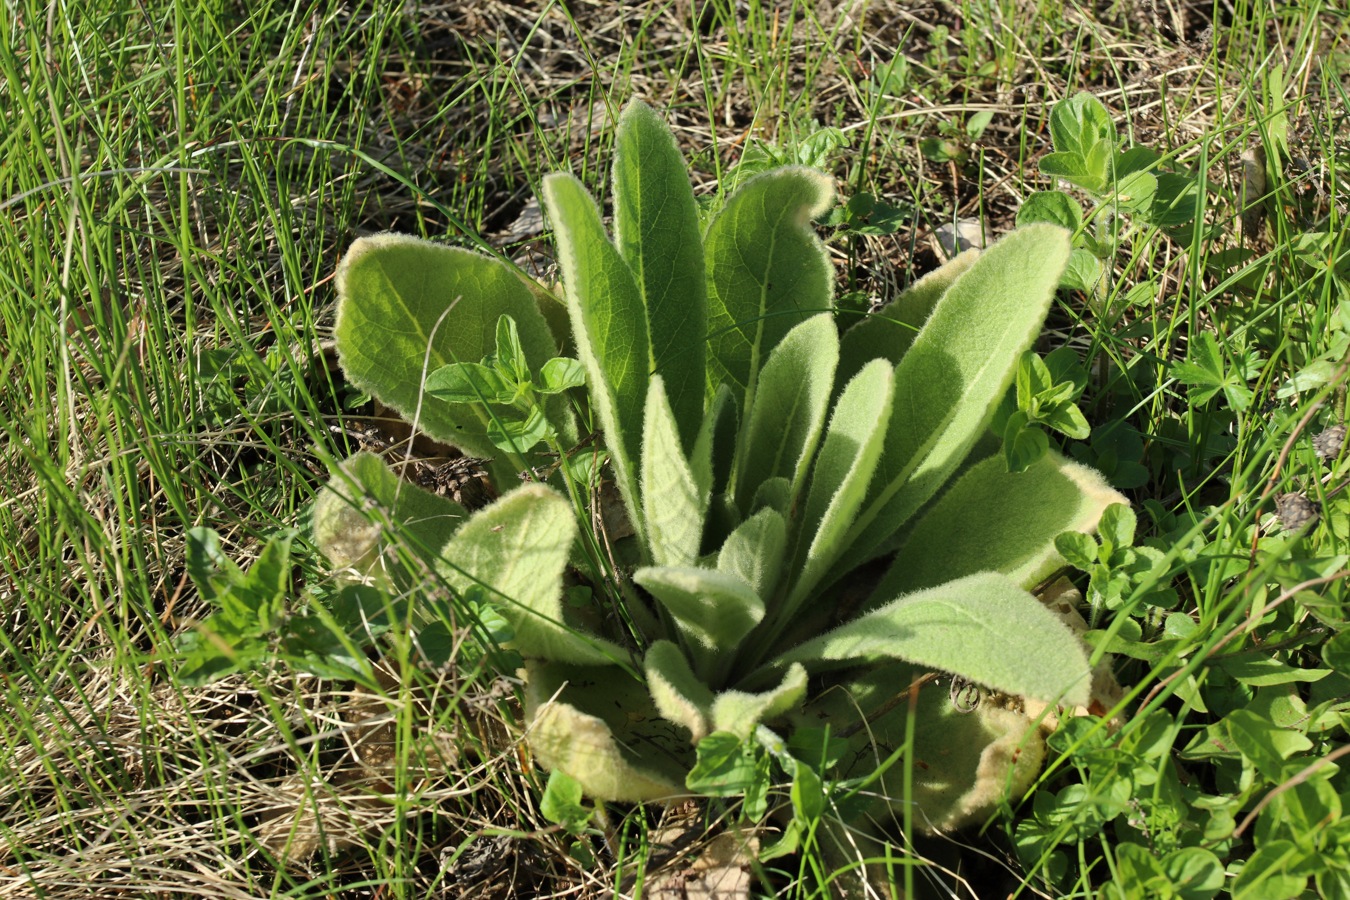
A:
(517, 549)
(674, 504)
(982, 627)
(773, 493)
(587, 721)
(789, 408)
(993, 521)
(1074, 169)
(966, 763)
(678, 693)
(767, 271)
(844, 467)
(754, 551)
(366, 508)
(657, 231)
(714, 608)
(717, 441)
(889, 332)
(741, 712)
(1081, 127)
(609, 323)
(709, 460)
(947, 385)
(394, 292)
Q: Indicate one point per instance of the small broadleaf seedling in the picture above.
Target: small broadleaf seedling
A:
(1121, 181)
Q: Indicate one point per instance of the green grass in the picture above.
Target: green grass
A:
(177, 183)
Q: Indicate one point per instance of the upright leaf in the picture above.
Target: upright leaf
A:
(947, 385)
(609, 322)
(657, 231)
(708, 459)
(678, 693)
(511, 361)
(740, 712)
(889, 332)
(1079, 123)
(789, 408)
(517, 549)
(674, 503)
(714, 609)
(774, 493)
(717, 439)
(767, 271)
(393, 327)
(1085, 143)
(754, 551)
(843, 470)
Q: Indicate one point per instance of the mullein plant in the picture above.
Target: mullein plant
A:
(808, 522)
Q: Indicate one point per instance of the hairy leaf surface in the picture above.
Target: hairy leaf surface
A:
(674, 504)
(843, 470)
(517, 549)
(789, 409)
(889, 332)
(767, 271)
(594, 723)
(366, 507)
(740, 712)
(948, 383)
(993, 521)
(714, 608)
(754, 551)
(968, 761)
(678, 693)
(609, 323)
(982, 627)
(657, 231)
(392, 328)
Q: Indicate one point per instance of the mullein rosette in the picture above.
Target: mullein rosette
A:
(814, 521)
